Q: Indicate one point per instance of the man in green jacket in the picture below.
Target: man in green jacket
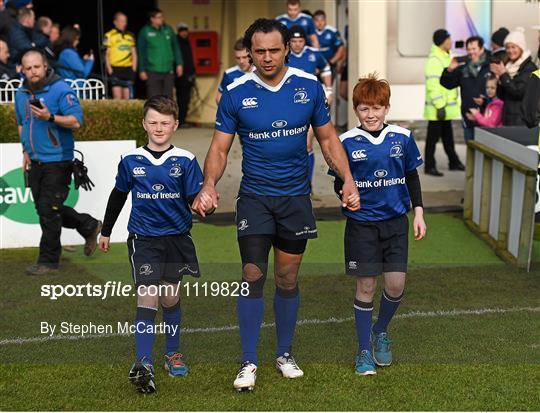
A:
(441, 105)
(159, 56)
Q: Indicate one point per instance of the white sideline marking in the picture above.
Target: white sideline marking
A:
(331, 320)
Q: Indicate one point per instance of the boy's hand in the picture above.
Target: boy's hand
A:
(350, 198)
(206, 203)
(419, 226)
(104, 243)
(206, 200)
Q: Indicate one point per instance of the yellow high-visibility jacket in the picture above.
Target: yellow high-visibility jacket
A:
(437, 96)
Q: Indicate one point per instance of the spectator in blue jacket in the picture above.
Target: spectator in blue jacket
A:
(47, 111)
(69, 64)
(22, 35)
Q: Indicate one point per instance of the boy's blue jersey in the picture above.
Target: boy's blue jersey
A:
(329, 41)
(272, 123)
(378, 166)
(309, 60)
(160, 189)
(303, 20)
(229, 76)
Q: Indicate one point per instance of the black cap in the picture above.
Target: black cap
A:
(297, 32)
(440, 36)
(499, 36)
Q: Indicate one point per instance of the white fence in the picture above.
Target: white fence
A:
(87, 89)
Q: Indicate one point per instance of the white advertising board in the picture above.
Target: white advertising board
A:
(19, 223)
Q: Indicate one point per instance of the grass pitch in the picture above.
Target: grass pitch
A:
(466, 337)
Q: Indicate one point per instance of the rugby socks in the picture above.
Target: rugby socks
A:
(387, 309)
(250, 316)
(311, 165)
(171, 319)
(144, 332)
(286, 303)
(362, 315)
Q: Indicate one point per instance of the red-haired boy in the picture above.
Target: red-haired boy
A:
(383, 160)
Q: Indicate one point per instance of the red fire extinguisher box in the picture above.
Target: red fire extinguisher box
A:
(204, 45)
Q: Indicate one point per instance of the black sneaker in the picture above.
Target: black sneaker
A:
(457, 167)
(433, 172)
(91, 241)
(40, 269)
(141, 375)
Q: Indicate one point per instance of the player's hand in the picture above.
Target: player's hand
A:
(419, 225)
(25, 161)
(109, 70)
(143, 76)
(104, 243)
(179, 70)
(42, 113)
(350, 198)
(206, 200)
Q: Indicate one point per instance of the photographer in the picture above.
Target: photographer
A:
(470, 75)
(47, 111)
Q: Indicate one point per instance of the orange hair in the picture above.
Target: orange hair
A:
(371, 91)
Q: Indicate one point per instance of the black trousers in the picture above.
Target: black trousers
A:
(49, 183)
(183, 96)
(440, 129)
(159, 84)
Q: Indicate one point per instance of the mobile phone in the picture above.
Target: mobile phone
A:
(461, 59)
(459, 44)
(37, 103)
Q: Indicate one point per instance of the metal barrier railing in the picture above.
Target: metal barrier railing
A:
(85, 89)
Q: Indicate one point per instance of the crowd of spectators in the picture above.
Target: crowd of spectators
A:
(492, 86)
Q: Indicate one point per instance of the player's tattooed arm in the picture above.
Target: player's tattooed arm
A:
(214, 166)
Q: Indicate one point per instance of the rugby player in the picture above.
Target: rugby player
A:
(243, 65)
(295, 17)
(312, 61)
(271, 109)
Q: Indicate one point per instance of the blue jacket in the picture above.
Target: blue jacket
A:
(71, 66)
(22, 38)
(45, 141)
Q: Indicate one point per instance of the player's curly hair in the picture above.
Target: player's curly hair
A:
(265, 26)
(371, 90)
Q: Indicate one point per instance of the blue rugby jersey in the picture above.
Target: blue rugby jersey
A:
(229, 76)
(303, 20)
(159, 190)
(378, 166)
(272, 123)
(309, 60)
(329, 41)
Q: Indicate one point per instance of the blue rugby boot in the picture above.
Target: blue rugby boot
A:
(381, 348)
(365, 365)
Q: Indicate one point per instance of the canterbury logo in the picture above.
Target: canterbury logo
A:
(249, 102)
(139, 171)
(361, 154)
